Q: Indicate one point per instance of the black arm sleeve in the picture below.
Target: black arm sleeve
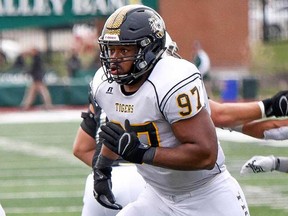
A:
(89, 123)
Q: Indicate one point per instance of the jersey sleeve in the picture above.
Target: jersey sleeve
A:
(186, 101)
(97, 80)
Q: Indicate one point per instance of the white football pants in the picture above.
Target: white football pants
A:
(127, 183)
(222, 196)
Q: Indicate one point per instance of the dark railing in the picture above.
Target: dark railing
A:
(269, 20)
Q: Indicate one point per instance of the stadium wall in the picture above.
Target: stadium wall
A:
(220, 25)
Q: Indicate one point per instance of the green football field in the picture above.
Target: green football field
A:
(40, 176)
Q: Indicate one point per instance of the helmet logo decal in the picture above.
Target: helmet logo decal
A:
(157, 26)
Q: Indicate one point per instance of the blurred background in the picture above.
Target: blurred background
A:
(246, 42)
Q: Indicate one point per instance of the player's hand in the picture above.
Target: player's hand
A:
(126, 143)
(259, 164)
(277, 105)
(103, 188)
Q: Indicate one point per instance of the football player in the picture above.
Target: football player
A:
(133, 68)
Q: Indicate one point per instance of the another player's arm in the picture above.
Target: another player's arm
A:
(267, 129)
(84, 143)
(229, 115)
(244, 118)
(84, 147)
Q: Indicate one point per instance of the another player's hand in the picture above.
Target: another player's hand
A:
(259, 164)
(277, 105)
(103, 188)
(126, 143)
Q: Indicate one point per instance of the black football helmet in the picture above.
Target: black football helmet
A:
(133, 25)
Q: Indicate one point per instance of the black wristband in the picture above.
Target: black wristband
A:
(277, 163)
(103, 162)
(88, 124)
(282, 164)
(102, 174)
(268, 107)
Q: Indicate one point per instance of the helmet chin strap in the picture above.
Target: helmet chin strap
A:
(152, 59)
(134, 79)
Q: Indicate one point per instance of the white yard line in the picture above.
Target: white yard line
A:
(40, 116)
(265, 196)
(36, 150)
(40, 195)
(41, 210)
(36, 182)
(46, 152)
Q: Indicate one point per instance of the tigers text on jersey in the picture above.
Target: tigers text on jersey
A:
(173, 91)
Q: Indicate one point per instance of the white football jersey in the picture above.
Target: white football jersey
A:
(173, 91)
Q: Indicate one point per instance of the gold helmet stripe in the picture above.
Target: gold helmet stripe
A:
(116, 19)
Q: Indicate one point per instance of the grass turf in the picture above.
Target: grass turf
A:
(40, 176)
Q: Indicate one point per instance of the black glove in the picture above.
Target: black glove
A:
(126, 143)
(103, 188)
(277, 105)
